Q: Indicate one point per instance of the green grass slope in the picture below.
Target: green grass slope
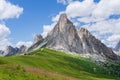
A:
(46, 64)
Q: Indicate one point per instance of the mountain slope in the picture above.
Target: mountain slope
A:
(48, 64)
(65, 37)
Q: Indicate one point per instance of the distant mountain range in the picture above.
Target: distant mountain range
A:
(10, 50)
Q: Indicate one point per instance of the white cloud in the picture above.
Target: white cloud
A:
(56, 18)
(4, 32)
(62, 1)
(8, 10)
(65, 2)
(20, 43)
(114, 38)
(105, 8)
(47, 29)
(80, 9)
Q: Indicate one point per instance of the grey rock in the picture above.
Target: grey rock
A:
(64, 36)
(10, 50)
(94, 46)
(22, 48)
(37, 38)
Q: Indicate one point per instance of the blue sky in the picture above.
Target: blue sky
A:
(20, 20)
(31, 21)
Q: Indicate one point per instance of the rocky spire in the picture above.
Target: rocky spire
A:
(64, 36)
(37, 38)
(63, 22)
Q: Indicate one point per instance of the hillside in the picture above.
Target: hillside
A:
(46, 64)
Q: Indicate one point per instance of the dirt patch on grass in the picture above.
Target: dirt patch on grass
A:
(48, 73)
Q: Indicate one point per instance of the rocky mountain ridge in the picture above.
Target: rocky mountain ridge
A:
(66, 37)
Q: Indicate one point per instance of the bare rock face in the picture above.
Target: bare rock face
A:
(66, 37)
(22, 48)
(92, 45)
(117, 48)
(37, 38)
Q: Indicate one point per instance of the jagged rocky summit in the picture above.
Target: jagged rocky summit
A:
(13, 51)
(65, 37)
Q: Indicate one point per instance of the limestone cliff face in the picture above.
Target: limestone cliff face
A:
(66, 37)
(92, 45)
(37, 38)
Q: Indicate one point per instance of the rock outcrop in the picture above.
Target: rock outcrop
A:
(37, 38)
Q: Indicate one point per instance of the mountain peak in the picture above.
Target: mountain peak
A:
(63, 17)
(63, 22)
